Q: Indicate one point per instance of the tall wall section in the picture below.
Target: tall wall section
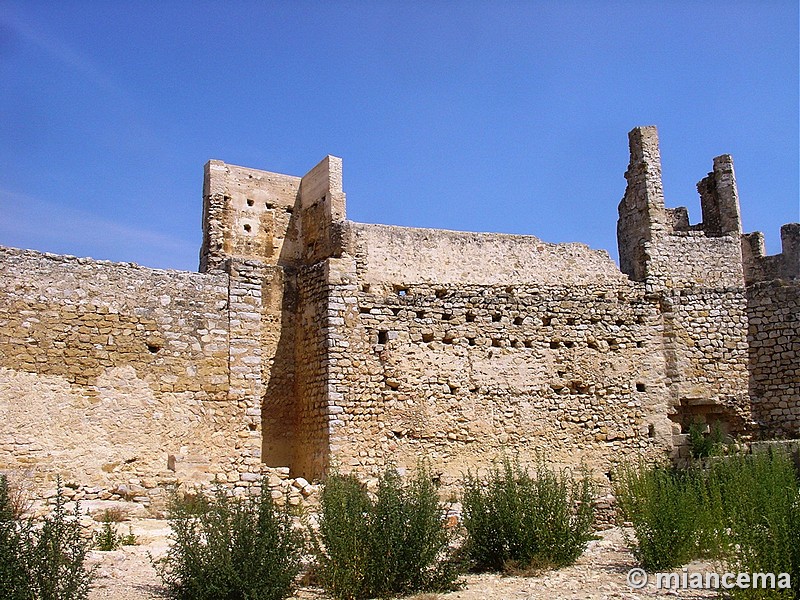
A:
(728, 344)
(108, 370)
(459, 348)
(773, 307)
(285, 227)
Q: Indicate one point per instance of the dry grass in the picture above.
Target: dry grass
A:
(115, 514)
(20, 493)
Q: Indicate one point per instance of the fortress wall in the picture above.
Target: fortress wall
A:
(705, 339)
(699, 279)
(398, 255)
(774, 312)
(311, 341)
(107, 369)
(758, 266)
(693, 259)
(278, 414)
(249, 214)
(460, 374)
(311, 451)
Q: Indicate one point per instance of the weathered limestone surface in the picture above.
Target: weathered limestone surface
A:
(774, 316)
(463, 374)
(396, 255)
(309, 341)
(109, 368)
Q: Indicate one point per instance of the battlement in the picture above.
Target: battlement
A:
(270, 217)
(762, 267)
(659, 245)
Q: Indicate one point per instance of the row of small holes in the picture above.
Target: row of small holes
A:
(269, 205)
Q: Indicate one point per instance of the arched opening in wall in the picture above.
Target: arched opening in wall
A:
(702, 422)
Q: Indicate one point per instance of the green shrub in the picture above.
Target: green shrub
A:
(397, 544)
(227, 548)
(662, 505)
(13, 579)
(44, 561)
(741, 509)
(516, 521)
(109, 538)
(129, 539)
(761, 507)
(702, 445)
(56, 553)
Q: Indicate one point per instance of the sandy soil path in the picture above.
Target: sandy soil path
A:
(600, 574)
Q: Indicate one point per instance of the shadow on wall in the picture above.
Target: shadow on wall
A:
(294, 410)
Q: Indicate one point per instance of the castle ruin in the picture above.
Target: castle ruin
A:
(308, 341)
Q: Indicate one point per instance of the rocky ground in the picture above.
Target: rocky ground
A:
(127, 574)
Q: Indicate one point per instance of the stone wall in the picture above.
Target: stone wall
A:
(706, 353)
(505, 344)
(248, 214)
(308, 341)
(397, 255)
(758, 266)
(773, 309)
(460, 375)
(110, 368)
(124, 379)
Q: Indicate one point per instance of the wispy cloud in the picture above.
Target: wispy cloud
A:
(57, 49)
(38, 224)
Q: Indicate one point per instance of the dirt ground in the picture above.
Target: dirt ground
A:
(600, 574)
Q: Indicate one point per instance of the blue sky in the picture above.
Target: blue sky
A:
(482, 116)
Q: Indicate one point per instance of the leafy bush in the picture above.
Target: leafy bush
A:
(43, 562)
(109, 538)
(761, 507)
(13, 580)
(702, 445)
(742, 509)
(516, 521)
(111, 515)
(661, 503)
(396, 544)
(227, 548)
